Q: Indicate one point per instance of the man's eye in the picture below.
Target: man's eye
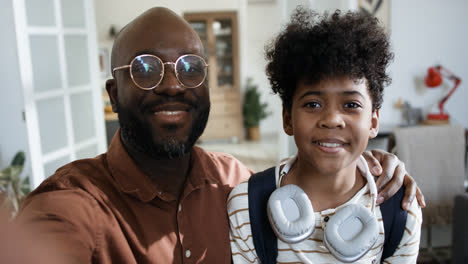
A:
(312, 105)
(352, 105)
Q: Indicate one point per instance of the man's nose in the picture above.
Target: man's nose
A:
(169, 85)
(331, 118)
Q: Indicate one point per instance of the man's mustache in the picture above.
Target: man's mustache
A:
(164, 100)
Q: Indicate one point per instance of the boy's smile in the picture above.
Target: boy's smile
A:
(331, 122)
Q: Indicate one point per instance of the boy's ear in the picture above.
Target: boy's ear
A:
(111, 87)
(287, 122)
(374, 130)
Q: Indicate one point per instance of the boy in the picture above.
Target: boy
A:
(330, 72)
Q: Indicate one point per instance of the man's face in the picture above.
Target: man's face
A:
(331, 122)
(164, 122)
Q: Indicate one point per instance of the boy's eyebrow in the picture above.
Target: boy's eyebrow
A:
(353, 93)
(310, 93)
(320, 93)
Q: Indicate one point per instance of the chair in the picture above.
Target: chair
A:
(435, 157)
(460, 230)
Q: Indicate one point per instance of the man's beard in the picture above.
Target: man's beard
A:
(139, 135)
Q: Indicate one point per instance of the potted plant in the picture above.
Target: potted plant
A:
(13, 187)
(253, 110)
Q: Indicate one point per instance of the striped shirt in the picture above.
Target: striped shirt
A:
(313, 250)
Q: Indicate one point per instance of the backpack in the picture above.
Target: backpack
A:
(262, 184)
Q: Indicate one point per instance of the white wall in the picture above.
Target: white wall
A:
(13, 135)
(264, 20)
(423, 33)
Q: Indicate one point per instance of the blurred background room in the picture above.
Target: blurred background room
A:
(55, 59)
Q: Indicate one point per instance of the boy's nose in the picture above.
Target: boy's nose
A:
(169, 85)
(331, 119)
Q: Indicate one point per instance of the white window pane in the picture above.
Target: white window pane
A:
(45, 63)
(73, 14)
(88, 152)
(52, 127)
(40, 13)
(82, 116)
(76, 54)
(51, 166)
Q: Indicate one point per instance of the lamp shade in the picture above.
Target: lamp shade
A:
(433, 78)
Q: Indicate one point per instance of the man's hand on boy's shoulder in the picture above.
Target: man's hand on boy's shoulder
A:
(392, 175)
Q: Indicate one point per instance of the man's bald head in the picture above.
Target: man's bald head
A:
(163, 24)
(164, 122)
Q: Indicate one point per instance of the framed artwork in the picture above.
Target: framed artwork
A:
(377, 8)
(104, 62)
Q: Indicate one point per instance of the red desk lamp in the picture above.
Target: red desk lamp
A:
(434, 79)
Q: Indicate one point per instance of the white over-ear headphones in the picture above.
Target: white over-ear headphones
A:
(349, 234)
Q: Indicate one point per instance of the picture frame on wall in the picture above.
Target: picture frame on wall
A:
(377, 8)
(104, 62)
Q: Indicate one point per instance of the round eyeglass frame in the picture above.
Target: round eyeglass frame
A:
(129, 66)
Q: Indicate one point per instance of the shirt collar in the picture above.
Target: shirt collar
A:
(133, 181)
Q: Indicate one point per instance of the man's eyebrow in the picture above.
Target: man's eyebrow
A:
(152, 52)
(141, 52)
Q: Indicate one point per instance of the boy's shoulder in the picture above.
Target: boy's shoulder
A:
(240, 192)
(242, 189)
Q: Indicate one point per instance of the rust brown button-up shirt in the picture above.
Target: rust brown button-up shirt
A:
(106, 210)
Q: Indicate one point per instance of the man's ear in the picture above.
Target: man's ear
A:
(111, 87)
(374, 130)
(287, 122)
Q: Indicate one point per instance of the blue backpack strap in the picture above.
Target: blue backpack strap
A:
(394, 220)
(261, 185)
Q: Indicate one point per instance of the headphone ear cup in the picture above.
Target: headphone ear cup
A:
(291, 214)
(351, 233)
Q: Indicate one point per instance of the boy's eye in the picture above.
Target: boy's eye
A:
(312, 105)
(352, 105)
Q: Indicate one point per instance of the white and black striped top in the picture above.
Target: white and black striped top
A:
(313, 250)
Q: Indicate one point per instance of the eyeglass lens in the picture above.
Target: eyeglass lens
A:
(147, 71)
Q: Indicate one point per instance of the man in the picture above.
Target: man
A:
(153, 197)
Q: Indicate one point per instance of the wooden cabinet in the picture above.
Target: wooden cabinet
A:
(218, 32)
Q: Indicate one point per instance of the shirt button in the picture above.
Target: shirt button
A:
(188, 253)
(326, 218)
(180, 207)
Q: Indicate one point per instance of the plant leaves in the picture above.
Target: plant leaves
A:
(19, 159)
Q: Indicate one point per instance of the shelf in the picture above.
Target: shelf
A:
(111, 116)
(224, 57)
(220, 41)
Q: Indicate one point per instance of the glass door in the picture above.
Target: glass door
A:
(57, 50)
(201, 28)
(222, 30)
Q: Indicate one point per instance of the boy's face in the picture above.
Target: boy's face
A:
(331, 122)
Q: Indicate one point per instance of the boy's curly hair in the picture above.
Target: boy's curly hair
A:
(313, 48)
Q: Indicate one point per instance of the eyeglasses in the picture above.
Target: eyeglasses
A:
(147, 70)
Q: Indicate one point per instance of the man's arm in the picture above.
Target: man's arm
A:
(392, 175)
(64, 224)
